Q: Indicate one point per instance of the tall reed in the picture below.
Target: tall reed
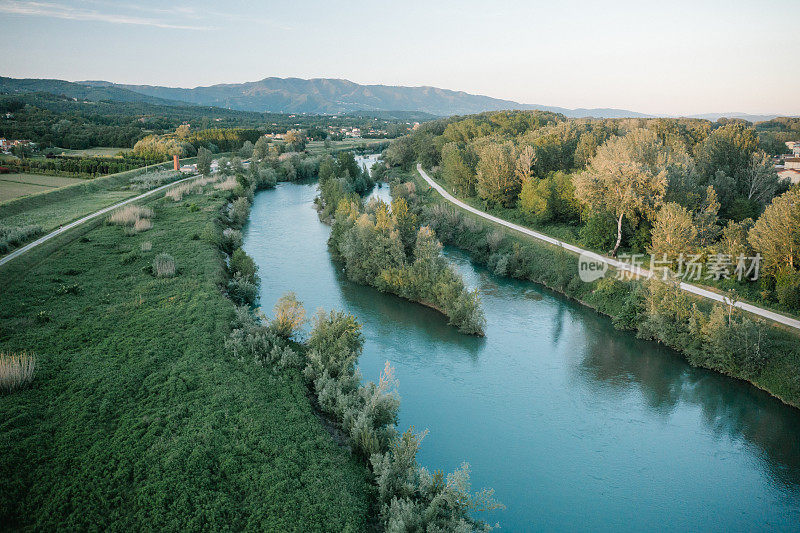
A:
(16, 370)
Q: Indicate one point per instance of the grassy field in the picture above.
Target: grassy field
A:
(137, 417)
(315, 147)
(98, 151)
(21, 184)
(56, 207)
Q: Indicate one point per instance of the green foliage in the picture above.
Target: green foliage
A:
(243, 265)
(204, 159)
(139, 415)
(598, 232)
(11, 237)
(385, 247)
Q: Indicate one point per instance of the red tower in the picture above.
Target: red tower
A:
(175, 161)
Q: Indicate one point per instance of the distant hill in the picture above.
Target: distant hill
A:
(331, 96)
(80, 91)
(745, 116)
(318, 96)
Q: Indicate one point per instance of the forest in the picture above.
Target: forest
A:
(668, 190)
(54, 120)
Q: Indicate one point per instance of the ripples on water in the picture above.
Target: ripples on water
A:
(575, 424)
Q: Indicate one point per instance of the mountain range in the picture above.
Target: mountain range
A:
(313, 96)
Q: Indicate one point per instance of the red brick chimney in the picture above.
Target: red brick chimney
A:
(175, 161)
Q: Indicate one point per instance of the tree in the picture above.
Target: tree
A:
(674, 233)
(760, 180)
(627, 177)
(498, 183)
(400, 153)
(776, 233)
(406, 223)
(728, 149)
(525, 162)
(261, 149)
(204, 159)
(290, 315)
(182, 131)
(246, 151)
(295, 140)
(706, 219)
(458, 168)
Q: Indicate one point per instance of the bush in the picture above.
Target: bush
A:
(164, 266)
(129, 214)
(146, 246)
(16, 370)
(787, 289)
(600, 231)
(13, 236)
(143, 224)
(238, 211)
(289, 315)
(242, 291)
(231, 240)
(243, 266)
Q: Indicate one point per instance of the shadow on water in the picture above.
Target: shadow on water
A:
(730, 407)
(391, 315)
(614, 359)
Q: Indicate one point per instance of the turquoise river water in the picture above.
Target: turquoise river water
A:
(577, 426)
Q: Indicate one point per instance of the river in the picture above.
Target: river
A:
(577, 426)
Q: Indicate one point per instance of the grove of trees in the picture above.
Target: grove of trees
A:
(649, 186)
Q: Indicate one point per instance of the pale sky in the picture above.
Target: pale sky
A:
(663, 57)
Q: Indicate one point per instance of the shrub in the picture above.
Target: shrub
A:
(164, 266)
(229, 184)
(787, 289)
(143, 224)
(290, 315)
(16, 370)
(231, 240)
(128, 215)
(238, 211)
(146, 246)
(243, 266)
(242, 291)
(68, 289)
(13, 236)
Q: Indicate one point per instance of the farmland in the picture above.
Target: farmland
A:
(22, 184)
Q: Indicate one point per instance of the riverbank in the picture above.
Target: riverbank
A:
(138, 416)
(692, 327)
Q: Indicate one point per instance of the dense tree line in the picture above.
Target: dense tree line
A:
(650, 186)
(53, 120)
(719, 337)
(82, 166)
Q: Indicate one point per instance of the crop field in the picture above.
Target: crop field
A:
(21, 184)
(98, 151)
(137, 416)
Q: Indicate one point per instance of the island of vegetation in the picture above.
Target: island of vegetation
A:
(386, 247)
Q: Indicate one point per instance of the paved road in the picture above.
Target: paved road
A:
(18, 252)
(619, 265)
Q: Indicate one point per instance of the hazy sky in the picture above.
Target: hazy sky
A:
(667, 56)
